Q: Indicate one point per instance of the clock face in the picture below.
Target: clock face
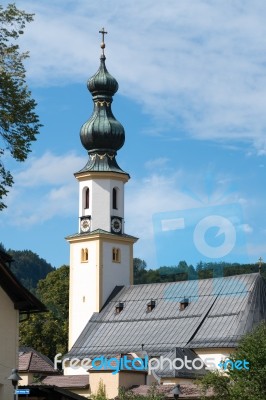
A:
(116, 225)
(85, 225)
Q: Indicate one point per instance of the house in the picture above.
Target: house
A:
(43, 381)
(200, 321)
(34, 366)
(16, 303)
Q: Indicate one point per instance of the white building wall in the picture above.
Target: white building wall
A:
(84, 286)
(8, 344)
(115, 273)
(213, 356)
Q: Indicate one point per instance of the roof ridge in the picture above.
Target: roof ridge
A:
(195, 279)
(30, 359)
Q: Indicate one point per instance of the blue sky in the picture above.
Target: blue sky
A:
(192, 100)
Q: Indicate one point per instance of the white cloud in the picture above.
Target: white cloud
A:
(45, 188)
(49, 169)
(158, 163)
(196, 66)
(246, 228)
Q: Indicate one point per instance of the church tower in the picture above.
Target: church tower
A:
(101, 254)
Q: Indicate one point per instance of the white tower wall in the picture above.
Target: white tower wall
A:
(116, 273)
(84, 287)
(101, 204)
(92, 281)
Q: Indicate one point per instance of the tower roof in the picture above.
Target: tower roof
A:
(102, 135)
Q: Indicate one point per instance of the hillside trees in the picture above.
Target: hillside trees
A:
(48, 333)
(19, 124)
(29, 268)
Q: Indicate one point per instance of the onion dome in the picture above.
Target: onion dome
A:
(102, 83)
(102, 135)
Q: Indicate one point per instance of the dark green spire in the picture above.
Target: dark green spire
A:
(102, 135)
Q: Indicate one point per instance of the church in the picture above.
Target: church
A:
(111, 317)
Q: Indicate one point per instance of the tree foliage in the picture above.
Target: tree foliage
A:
(242, 384)
(101, 392)
(182, 271)
(19, 123)
(48, 333)
(29, 268)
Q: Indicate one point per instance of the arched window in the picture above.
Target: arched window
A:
(84, 255)
(115, 198)
(87, 198)
(116, 255)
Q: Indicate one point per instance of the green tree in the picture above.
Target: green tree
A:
(19, 123)
(242, 384)
(101, 392)
(139, 268)
(48, 333)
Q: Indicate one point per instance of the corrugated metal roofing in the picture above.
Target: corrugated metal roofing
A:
(220, 311)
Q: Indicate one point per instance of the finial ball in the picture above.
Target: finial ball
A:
(102, 45)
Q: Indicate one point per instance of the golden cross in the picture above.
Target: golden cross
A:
(103, 32)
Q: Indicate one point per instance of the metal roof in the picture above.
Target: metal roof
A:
(220, 312)
(102, 162)
(101, 232)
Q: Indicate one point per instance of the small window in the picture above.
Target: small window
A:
(119, 307)
(115, 198)
(151, 305)
(87, 198)
(116, 255)
(183, 304)
(84, 255)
